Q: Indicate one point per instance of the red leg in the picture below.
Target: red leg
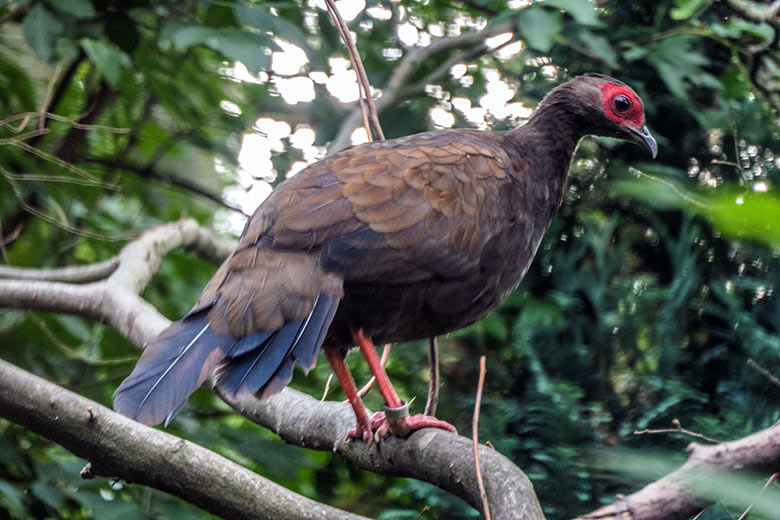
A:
(382, 381)
(336, 359)
(400, 426)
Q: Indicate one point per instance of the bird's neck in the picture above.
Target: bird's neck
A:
(549, 138)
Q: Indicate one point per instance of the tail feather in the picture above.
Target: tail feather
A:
(180, 359)
(268, 368)
(313, 334)
(173, 366)
(306, 346)
(252, 370)
(279, 380)
(249, 343)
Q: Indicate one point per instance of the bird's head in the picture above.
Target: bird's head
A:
(615, 110)
(599, 105)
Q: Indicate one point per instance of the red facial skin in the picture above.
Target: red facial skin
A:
(631, 117)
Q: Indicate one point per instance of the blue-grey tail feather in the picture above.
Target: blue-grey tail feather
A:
(171, 367)
(305, 350)
(177, 362)
(267, 368)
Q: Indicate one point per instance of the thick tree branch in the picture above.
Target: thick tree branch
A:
(688, 490)
(435, 456)
(115, 300)
(398, 87)
(118, 447)
(74, 274)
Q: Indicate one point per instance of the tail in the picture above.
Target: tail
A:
(183, 356)
(265, 367)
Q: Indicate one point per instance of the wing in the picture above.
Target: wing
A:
(393, 212)
(396, 212)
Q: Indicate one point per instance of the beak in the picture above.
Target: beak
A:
(644, 138)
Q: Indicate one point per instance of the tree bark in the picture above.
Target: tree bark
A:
(700, 481)
(118, 447)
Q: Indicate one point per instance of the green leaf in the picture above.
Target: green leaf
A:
(583, 12)
(539, 27)
(80, 9)
(740, 214)
(257, 17)
(632, 52)
(219, 15)
(599, 46)
(735, 83)
(12, 499)
(679, 63)
(686, 8)
(658, 187)
(41, 29)
(109, 60)
(250, 49)
(48, 494)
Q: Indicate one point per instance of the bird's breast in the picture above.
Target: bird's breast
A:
(405, 312)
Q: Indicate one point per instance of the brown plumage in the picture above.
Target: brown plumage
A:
(394, 240)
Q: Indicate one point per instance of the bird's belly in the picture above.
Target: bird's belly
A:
(402, 313)
(392, 313)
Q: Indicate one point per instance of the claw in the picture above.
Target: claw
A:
(383, 426)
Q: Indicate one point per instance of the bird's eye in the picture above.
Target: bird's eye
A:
(622, 103)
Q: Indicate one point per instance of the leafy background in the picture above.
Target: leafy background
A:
(652, 298)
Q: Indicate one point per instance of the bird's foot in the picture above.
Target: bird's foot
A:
(396, 422)
(402, 427)
(365, 429)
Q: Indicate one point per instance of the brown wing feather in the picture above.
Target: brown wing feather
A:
(409, 209)
(396, 212)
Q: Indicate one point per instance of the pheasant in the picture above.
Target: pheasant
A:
(382, 242)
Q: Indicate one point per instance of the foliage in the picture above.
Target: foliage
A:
(654, 287)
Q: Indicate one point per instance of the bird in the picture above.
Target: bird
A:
(385, 241)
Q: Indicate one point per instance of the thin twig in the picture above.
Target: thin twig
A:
(382, 361)
(422, 511)
(3, 252)
(149, 171)
(18, 142)
(8, 239)
(724, 163)
(674, 188)
(327, 387)
(475, 438)
(400, 87)
(764, 372)
(53, 221)
(360, 71)
(678, 429)
(433, 382)
(64, 180)
(76, 355)
(71, 121)
(769, 482)
(49, 93)
(737, 160)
